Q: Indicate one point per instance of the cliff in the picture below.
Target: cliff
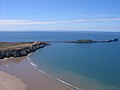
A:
(19, 49)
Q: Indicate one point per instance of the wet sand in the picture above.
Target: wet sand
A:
(19, 74)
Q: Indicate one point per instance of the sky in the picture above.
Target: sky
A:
(60, 15)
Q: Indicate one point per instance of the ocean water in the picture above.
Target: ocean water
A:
(90, 66)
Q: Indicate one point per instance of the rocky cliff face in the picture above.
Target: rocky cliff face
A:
(21, 50)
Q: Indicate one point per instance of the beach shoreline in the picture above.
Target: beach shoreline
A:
(26, 77)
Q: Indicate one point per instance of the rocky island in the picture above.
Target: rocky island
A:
(91, 41)
(18, 49)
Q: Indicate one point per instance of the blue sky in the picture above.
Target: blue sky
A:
(60, 15)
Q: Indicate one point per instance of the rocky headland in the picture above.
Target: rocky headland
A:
(18, 49)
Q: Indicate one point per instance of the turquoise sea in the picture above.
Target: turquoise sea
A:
(90, 66)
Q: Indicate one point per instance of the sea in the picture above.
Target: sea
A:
(80, 66)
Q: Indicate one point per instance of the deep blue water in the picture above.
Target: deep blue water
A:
(93, 66)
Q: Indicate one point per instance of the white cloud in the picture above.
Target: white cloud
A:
(29, 22)
(78, 24)
(97, 20)
(23, 22)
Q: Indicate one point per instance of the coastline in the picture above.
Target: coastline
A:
(103, 53)
(16, 67)
(24, 73)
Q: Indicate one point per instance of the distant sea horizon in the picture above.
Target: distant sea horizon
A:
(90, 66)
(59, 31)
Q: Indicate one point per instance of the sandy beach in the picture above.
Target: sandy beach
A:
(10, 82)
(19, 74)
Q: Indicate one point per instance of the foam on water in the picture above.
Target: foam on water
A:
(34, 65)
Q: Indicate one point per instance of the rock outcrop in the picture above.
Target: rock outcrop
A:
(19, 51)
